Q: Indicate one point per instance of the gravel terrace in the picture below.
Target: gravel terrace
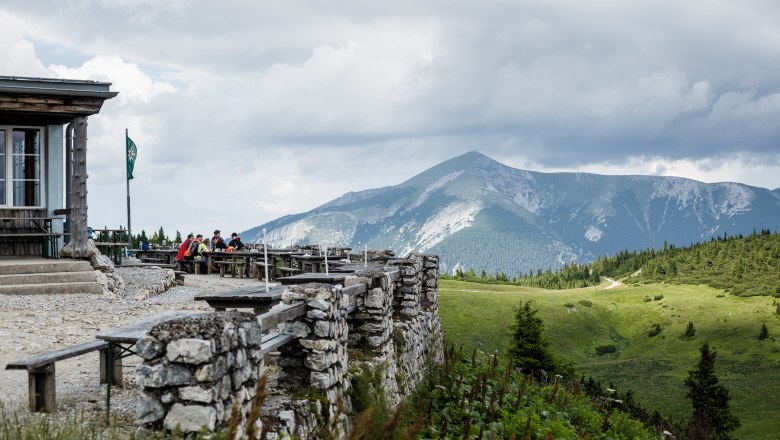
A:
(35, 324)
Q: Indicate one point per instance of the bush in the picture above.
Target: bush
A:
(655, 330)
(569, 305)
(586, 302)
(605, 349)
(647, 299)
(658, 297)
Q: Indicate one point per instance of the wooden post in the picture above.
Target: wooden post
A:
(42, 395)
(116, 370)
(78, 230)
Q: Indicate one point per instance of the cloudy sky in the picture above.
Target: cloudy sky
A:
(244, 111)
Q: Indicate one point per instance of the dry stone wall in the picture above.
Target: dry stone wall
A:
(195, 369)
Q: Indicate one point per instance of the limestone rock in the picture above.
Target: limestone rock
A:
(191, 418)
(197, 394)
(148, 409)
(161, 375)
(148, 347)
(189, 351)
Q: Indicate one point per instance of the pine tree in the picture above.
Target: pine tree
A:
(529, 347)
(764, 333)
(178, 237)
(712, 417)
(691, 330)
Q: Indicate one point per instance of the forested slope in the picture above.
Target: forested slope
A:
(744, 266)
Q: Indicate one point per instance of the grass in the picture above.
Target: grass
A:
(653, 367)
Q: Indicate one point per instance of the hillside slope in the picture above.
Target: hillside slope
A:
(476, 212)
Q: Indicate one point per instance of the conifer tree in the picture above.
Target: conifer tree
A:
(529, 347)
(691, 330)
(764, 333)
(712, 417)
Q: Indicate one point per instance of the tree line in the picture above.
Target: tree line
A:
(743, 265)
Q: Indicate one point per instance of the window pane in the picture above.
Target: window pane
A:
(26, 141)
(26, 167)
(2, 192)
(27, 193)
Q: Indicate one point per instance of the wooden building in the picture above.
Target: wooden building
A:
(43, 163)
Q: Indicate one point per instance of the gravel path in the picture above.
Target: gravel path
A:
(35, 324)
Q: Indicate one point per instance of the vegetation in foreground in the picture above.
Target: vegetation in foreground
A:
(743, 266)
(606, 333)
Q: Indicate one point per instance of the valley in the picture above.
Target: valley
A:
(479, 315)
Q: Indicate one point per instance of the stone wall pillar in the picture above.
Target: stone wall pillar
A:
(196, 368)
(319, 358)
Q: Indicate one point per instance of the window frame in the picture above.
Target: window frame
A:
(9, 171)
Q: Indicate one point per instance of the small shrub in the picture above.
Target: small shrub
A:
(655, 330)
(605, 349)
(777, 310)
(647, 299)
(569, 305)
(586, 302)
(658, 297)
(720, 295)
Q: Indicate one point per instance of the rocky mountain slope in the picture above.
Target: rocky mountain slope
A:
(476, 212)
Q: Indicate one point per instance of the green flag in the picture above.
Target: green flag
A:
(131, 155)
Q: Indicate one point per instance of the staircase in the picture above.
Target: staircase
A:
(34, 276)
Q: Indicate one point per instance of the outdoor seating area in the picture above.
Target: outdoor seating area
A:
(253, 262)
(288, 267)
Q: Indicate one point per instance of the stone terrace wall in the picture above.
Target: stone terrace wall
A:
(196, 368)
(417, 333)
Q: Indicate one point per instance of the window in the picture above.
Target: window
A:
(20, 166)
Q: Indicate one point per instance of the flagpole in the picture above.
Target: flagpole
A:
(127, 179)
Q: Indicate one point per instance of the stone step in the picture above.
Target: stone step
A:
(52, 288)
(39, 266)
(47, 278)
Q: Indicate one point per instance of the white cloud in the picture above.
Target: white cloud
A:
(246, 111)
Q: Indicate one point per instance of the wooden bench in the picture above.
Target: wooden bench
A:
(40, 373)
(259, 270)
(233, 264)
(179, 274)
(287, 271)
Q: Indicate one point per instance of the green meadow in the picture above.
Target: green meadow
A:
(653, 367)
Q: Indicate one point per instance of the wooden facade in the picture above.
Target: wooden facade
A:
(32, 193)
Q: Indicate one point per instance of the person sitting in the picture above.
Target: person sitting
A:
(200, 254)
(184, 247)
(217, 242)
(235, 242)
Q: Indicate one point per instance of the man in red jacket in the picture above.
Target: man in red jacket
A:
(183, 248)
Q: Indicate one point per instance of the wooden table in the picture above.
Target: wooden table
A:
(312, 263)
(111, 242)
(122, 339)
(161, 256)
(254, 297)
(249, 259)
(331, 278)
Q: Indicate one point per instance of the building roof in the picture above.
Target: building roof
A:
(44, 101)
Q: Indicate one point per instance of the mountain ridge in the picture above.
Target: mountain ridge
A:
(476, 212)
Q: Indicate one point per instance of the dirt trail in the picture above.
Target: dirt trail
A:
(614, 283)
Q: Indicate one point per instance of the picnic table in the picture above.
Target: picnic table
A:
(312, 263)
(157, 256)
(111, 242)
(254, 297)
(330, 278)
(236, 260)
(121, 341)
